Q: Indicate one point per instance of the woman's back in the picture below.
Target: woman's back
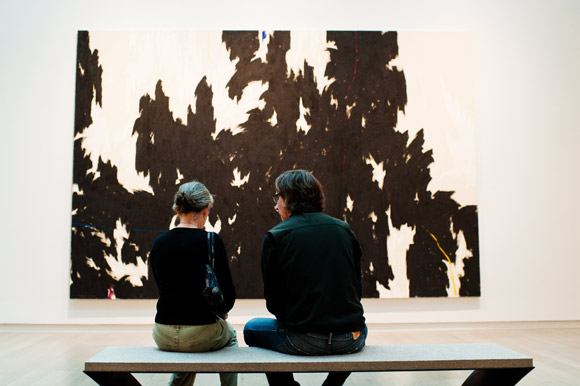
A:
(177, 259)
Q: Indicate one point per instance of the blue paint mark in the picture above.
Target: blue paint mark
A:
(263, 35)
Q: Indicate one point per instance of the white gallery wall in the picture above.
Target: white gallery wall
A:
(526, 77)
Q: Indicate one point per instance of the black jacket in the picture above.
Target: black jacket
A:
(178, 259)
(312, 274)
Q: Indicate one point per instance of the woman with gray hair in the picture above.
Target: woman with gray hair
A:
(184, 321)
(311, 266)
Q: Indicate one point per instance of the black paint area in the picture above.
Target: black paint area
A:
(366, 89)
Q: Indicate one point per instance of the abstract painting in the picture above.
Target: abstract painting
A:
(384, 120)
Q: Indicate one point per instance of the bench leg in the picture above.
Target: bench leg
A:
(496, 377)
(113, 378)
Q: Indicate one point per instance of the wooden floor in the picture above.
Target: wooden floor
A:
(55, 355)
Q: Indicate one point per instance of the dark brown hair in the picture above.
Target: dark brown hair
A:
(299, 188)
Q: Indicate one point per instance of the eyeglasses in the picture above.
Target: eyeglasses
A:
(275, 198)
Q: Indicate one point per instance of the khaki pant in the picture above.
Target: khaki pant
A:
(203, 338)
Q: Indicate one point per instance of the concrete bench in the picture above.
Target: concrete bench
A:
(492, 364)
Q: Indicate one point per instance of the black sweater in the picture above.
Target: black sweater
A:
(312, 274)
(178, 258)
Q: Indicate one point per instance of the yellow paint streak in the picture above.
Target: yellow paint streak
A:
(448, 259)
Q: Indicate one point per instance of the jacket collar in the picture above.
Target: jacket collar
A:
(304, 209)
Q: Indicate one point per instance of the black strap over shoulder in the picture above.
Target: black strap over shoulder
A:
(210, 248)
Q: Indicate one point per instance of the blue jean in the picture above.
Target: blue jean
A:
(270, 334)
(202, 338)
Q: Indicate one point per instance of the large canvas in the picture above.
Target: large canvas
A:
(383, 119)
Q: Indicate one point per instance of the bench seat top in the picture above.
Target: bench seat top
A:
(473, 356)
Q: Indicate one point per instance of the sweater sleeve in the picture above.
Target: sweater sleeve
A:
(357, 254)
(271, 277)
(153, 262)
(223, 273)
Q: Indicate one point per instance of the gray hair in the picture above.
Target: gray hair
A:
(192, 197)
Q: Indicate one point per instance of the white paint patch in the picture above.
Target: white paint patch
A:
(333, 102)
(451, 286)
(180, 177)
(117, 146)
(384, 292)
(91, 263)
(102, 236)
(310, 47)
(262, 52)
(120, 234)
(349, 109)
(273, 121)
(458, 268)
(379, 172)
(374, 219)
(232, 114)
(349, 203)
(398, 243)
(173, 222)
(217, 227)
(462, 254)
(77, 190)
(238, 180)
(97, 174)
(301, 123)
(118, 269)
(233, 219)
(439, 77)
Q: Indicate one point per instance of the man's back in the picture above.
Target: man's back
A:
(317, 262)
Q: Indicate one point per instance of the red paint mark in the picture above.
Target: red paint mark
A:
(355, 59)
(111, 293)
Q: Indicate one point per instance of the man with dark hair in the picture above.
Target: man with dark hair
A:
(312, 280)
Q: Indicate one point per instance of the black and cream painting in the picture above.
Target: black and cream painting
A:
(384, 120)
